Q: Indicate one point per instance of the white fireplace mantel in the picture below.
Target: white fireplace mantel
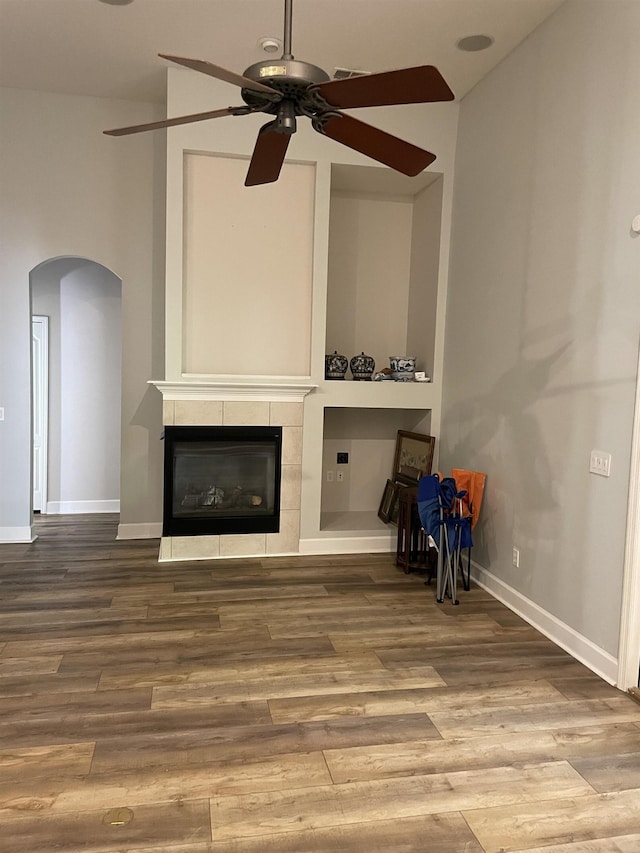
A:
(289, 389)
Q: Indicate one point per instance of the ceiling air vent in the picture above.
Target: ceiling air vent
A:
(345, 73)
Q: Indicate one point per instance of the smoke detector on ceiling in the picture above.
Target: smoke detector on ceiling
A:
(270, 44)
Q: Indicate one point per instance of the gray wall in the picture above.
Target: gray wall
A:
(544, 309)
(68, 190)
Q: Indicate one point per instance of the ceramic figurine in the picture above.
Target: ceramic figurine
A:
(384, 375)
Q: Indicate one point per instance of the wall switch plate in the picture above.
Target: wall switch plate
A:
(1, 413)
(340, 476)
(342, 459)
(329, 476)
(600, 463)
(515, 557)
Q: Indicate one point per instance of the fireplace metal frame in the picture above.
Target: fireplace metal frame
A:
(202, 524)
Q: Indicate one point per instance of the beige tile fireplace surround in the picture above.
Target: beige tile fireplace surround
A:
(241, 412)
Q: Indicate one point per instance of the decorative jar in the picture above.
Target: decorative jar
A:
(335, 366)
(362, 367)
(403, 368)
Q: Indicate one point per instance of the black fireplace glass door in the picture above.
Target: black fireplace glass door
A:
(222, 480)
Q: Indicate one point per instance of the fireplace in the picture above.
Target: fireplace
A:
(221, 479)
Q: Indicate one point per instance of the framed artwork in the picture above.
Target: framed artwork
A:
(395, 504)
(388, 499)
(413, 458)
(390, 503)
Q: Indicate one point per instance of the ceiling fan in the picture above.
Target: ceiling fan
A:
(287, 88)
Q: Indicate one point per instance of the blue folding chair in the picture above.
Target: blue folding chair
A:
(441, 511)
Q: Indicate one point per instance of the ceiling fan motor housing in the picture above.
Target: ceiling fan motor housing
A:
(291, 77)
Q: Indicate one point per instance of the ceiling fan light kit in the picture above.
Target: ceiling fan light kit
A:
(287, 88)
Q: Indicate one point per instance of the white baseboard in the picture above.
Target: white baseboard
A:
(64, 507)
(162, 558)
(146, 530)
(578, 646)
(349, 545)
(17, 535)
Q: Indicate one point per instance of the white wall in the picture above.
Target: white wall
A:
(91, 343)
(83, 303)
(423, 284)
(247, 269)
(45, 300)
(544, 309)
(68, 190)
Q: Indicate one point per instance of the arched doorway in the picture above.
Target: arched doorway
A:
(83, 303)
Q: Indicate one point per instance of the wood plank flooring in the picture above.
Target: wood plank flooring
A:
(291, 705)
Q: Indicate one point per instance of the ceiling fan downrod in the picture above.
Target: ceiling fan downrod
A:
(288, 25)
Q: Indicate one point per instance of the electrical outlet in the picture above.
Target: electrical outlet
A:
(340, 476)
(600, 463)
(329, 476)
(515, 557)
(342, 459)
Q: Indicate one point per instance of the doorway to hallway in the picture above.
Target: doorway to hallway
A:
(76, 386)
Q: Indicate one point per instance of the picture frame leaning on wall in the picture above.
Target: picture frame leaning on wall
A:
(413, 457)
(387, 501)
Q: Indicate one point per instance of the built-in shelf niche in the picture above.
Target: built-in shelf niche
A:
(383, 263)
(369, 437)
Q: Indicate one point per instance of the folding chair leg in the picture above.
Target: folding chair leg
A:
(439, 570)
(441, 583)
(455, 562)
(466, 577)
(448, 564)
(452, 571)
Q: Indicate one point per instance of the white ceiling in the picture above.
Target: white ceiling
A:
(87, 47)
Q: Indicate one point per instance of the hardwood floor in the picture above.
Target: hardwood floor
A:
(291, 705)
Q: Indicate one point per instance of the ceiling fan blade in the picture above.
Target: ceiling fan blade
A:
(173, 122)
(268, 156)
(377, 144)
(420, 85)
(222, 74)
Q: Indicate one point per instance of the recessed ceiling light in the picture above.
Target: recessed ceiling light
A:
(270, 45)
(474, 43)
